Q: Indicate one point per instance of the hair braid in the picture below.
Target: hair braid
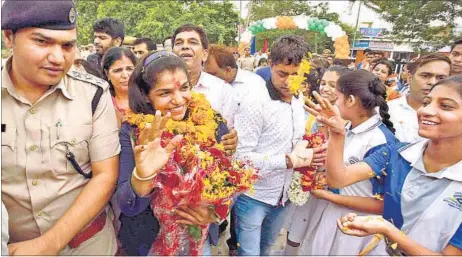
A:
(380, 92)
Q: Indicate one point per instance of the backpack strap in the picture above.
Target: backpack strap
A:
(95, 100)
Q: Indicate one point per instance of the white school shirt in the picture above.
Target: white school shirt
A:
(427, 206)
(220, 95)
(358, 142)
(404, 119)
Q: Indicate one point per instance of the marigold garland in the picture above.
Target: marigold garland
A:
(295, 81)
(198, 172)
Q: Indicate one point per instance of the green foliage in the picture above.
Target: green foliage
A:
(159, 19)
(414, 20)
(261, 9)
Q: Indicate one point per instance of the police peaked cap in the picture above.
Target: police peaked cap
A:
(56, 15)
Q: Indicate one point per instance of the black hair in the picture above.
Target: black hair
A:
(385, 62)
(145, 76)
(262, 60)
(110, 57)
(453, 81)
(111, 26)
(289, 50)
(149, 43)
(90, 68)
(370, 91)
(421, 61)
(320, 62)
(339, 69)
(457, 42)
(314, 79)
(197, 29)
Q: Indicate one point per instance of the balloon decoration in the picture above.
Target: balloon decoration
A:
(324, 27)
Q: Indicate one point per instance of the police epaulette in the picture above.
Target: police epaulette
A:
(88, 78)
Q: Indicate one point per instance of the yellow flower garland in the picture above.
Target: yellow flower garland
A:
(295, 81)
(199, 127)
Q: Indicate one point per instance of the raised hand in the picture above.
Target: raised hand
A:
(150, 156)
(154, 129)
(326, 113)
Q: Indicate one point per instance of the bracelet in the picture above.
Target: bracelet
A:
(135, 175)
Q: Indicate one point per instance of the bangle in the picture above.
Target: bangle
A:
(135, 175)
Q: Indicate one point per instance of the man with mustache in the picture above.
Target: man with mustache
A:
(456, 58)
(108, 32)
(423, 74)
(60, 143)
(190, 42)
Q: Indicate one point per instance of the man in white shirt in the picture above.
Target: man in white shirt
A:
(423, 74)
(271, 132)
(246, 84)
(190, 42)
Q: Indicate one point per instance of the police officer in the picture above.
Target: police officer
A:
(60, 140)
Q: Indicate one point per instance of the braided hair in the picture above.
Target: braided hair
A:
(370, 91)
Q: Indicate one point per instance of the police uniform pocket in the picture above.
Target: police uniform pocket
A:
(9, 154)
(73, 139)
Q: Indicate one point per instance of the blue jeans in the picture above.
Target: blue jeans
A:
(257, 226)
(207, 251)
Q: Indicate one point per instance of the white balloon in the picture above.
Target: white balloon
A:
(301, 21)
(269, 23)
(246, 37)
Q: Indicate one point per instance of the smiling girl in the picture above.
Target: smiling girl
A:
(423, 181)
(159, 85)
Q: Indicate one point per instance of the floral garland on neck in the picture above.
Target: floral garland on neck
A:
(296, 81)
(198, 172)
(200, 125)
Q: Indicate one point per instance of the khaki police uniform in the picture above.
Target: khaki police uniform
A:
(38, 183)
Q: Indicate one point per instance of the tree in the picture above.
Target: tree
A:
(261, 9)
(428, 24)
(159, 19)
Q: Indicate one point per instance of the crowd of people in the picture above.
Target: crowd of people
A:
(81, 159)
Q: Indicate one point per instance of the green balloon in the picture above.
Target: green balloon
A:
(325, 23)
(312, 26)
(319, 28)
